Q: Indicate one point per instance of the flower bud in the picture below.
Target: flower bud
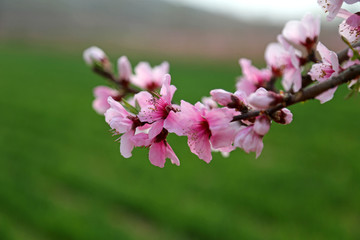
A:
(230, 100)
(95, 57)
(283, 116)
(124, 68)
(263, 99)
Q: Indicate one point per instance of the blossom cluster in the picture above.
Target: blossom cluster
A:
(139, 106)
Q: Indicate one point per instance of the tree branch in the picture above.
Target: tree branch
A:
(307, 93)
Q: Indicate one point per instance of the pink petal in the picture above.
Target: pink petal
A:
(343, 13)
(167, 91)
(143, 75)
(295, 31)
(156, 128)
(157, 154)
(319, 71)
(100, 106)
(260, 99)
(101, 93)
(143, 98)
(173, 123)
(330, 6)
(171, 155)
(351, 1)
(124, 68)
(209, 102)
(244, 85)
(312, 25)
(126, 144)
(326, 96)
(292, 78)
(262, 125)
(117, 117)
(221, 96)
(159, 72)
(222, 138)
(219, 118)
(351, 32)
(259, 147)
(200, 146)
(141, 140)
(248, 140)
(288, 115)
(324, 53)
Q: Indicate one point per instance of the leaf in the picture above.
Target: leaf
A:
(354, 90)
(129, 107)
(356, 55)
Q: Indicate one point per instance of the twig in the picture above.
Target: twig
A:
(307, 93)
(122, 84)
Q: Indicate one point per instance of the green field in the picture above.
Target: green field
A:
(62, 176)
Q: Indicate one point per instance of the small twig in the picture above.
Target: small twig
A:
(121, 84)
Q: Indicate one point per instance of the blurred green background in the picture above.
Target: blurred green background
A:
(62, 176)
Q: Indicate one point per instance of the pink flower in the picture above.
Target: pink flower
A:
(204, 128)
(283, 116)
(124, 68)
(159, 149)
(263, 99)
(102, 93)
(249, 140)
(304, 32)
(350, 27)
(157, 109)
(333, 6)
(149, 78)
(235, 100)
(124, 123)
(325, 70)
(284, 61)
(252, 78)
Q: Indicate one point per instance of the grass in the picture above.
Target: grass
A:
(62, 177)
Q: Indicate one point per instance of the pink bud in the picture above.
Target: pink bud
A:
(94, 55)
(221, 96)
(283, 116)
(231, 100)
(262, 99)
(124, 68)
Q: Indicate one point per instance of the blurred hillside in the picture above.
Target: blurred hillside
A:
(146, 26)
